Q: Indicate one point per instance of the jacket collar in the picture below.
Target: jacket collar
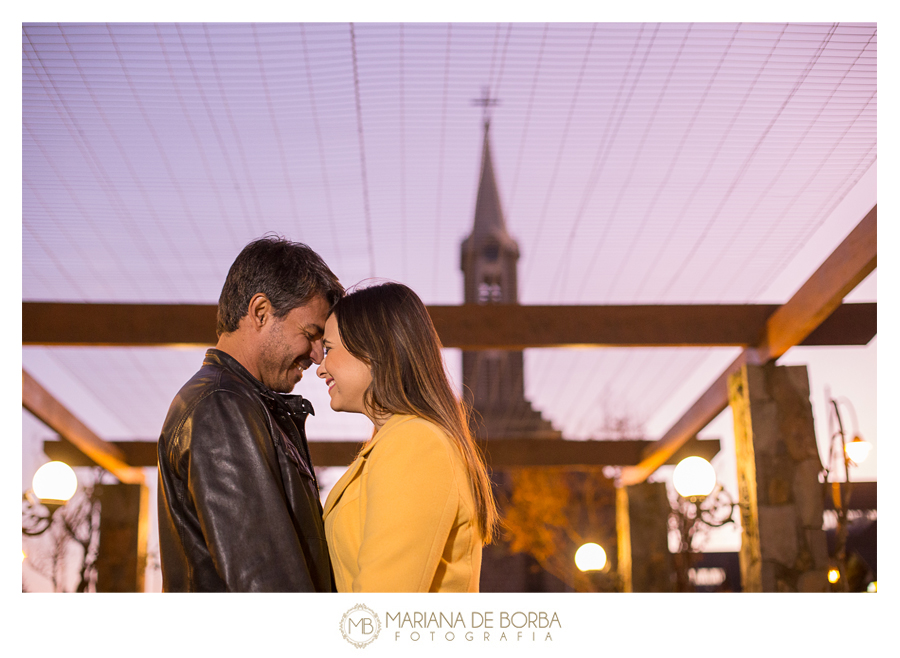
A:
(338, 489)
(297, 404)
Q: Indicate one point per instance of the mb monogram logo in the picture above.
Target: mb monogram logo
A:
(360, 626)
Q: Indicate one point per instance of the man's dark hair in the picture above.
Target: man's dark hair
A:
(289, 273)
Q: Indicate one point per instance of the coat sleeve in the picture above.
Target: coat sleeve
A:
(234, 481)
(412, 498)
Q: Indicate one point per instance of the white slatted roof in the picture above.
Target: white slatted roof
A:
(637, 163)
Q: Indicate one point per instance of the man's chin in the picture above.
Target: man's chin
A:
(282, 386)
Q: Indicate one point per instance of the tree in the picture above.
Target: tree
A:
(550, 512)
(75, 526)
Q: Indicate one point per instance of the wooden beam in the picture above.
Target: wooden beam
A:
(516, 327)
(709, 405)
(139, 454)
(863, 496)
(503, 453)
(850, 324)
(851, 262)
(469, 327)
(53, 414)
(119, 325)
(500, 453)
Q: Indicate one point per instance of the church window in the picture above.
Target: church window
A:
(488, 292)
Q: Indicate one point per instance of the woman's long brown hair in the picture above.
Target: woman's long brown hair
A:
(388, 327)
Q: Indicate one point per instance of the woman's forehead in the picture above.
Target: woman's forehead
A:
(331, 327)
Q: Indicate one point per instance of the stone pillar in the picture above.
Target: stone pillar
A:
(783, 546)
(124, 527)
(642, 529)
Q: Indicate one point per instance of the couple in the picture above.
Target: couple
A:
(238, 498)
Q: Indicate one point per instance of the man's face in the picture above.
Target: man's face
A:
(291, 344)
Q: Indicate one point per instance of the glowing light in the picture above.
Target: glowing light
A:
(833, 576)
(873, 587)
(857, 450)
(590, 557)
(54, 481)
(694, 477)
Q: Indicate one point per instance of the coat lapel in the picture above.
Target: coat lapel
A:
(338, 489)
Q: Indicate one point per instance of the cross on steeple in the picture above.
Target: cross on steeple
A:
(486, 102)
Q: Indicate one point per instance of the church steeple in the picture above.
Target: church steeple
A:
(489, 220)
(493, 379)
(489, 254)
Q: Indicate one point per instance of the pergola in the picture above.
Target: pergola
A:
(661, 179)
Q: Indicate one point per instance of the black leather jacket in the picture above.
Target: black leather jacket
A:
(238, 499)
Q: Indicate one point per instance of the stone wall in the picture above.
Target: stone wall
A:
(783, 546)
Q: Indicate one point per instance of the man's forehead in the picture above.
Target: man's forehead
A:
(312, 314)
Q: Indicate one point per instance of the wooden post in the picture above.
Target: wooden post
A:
(124, 527)
(642, 528)
(783, 547)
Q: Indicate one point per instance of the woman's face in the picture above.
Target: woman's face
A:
(346, 376)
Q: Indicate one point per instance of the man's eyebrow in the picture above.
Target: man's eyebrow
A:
(314, 329)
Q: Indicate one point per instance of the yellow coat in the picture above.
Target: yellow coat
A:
(402, 518)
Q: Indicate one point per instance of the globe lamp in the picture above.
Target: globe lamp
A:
(857, 450)
(54, 484)
(694, 477)
(590, 557)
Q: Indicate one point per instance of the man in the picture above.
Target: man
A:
(238, 499)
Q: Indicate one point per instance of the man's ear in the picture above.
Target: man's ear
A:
(260, 311)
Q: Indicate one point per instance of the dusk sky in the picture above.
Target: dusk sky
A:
(637, 163)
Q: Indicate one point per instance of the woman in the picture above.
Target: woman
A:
(413, 510)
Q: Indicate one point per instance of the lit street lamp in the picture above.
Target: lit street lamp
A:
(857, 450)
(851, 454)
(694, 478)
(52, 487)
(49, 506)
(702, 501)
(590, 557)
(54, 483)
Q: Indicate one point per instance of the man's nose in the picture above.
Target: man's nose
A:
(317, 353)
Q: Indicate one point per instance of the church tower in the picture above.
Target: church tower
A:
(493, 379)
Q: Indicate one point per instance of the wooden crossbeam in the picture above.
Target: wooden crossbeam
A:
(77, 436)
(468, 326)
(851, 262)
(863, 496)
(500, 453)
(849, 324)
